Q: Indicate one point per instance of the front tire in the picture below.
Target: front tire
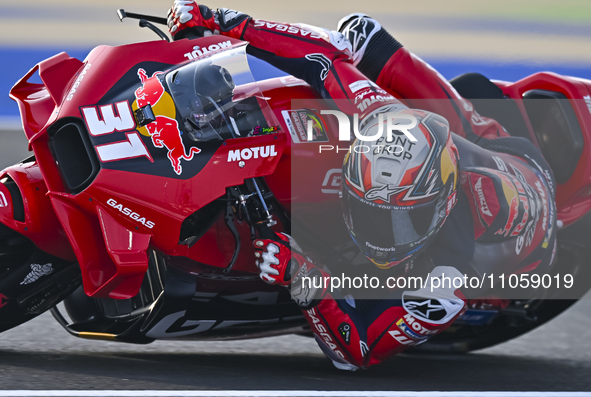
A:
(31, 281)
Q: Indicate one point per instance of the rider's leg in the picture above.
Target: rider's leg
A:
(358, 333)
(385, 61)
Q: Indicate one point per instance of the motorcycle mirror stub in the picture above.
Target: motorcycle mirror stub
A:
(144, 116)
(122, 14)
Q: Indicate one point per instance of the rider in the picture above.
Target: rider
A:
(495, 213)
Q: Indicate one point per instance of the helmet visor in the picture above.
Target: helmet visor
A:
(385, 232)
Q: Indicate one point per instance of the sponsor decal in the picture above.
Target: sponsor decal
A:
(130, 213)
(544, 172)
(417, 328)
(483, 206)
(500, 163)
(359, 32)
(485, 198)
(323, 61)
(517, 190)
(3, 202)
(167, 135)
(290, 81)
(547, 214)
(164, 131)
(345, 331)
(77, 82)
(367, 102)
(3, 300)
(451, 202)
(402, 339)
(288, 29)
(332, 181)
(385, 192)
(408, 331)
(399, 147)
(361, 84)
(200, 51)
(178, 324)
(431, 310)
(252, 153)
(322, 332)
(512, 198)
(363, 348)
(258, 130)
(37, 271)
(151, 90)
(297, 122)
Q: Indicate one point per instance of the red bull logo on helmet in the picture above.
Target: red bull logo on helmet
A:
(164, 131)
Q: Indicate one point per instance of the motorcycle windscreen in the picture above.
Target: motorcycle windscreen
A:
(212, 96)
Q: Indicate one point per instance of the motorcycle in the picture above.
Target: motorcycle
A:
(140, 218)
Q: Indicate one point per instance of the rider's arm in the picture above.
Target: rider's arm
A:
(355, 333)
(320, 57)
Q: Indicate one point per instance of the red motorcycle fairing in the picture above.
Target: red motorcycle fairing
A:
(26, 209)
(144, 203)
(557, 133)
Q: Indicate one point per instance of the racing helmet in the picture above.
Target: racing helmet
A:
(200, 90)
(396, 193)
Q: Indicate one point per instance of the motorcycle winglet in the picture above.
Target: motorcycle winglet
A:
(113, 259)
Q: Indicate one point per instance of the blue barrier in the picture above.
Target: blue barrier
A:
(16, 62)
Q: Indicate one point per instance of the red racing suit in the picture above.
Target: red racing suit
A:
(505, 213)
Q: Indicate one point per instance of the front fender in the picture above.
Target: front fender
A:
(26, 209)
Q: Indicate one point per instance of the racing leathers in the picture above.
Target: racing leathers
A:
(504, 220)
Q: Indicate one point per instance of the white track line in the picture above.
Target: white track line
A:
(269, 393)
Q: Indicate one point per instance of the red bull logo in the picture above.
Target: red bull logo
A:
(164, 131)
(166, 134)
(151, 90)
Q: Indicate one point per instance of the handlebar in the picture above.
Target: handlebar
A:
(145, 22)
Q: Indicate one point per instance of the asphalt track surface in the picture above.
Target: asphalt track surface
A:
(40, 355)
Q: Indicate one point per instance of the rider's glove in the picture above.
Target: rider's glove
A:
(281, 262)
(188, 19)
(279, 259)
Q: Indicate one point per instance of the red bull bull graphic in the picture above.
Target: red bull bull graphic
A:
(166, 134)
(164, 131)
(151, 90)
